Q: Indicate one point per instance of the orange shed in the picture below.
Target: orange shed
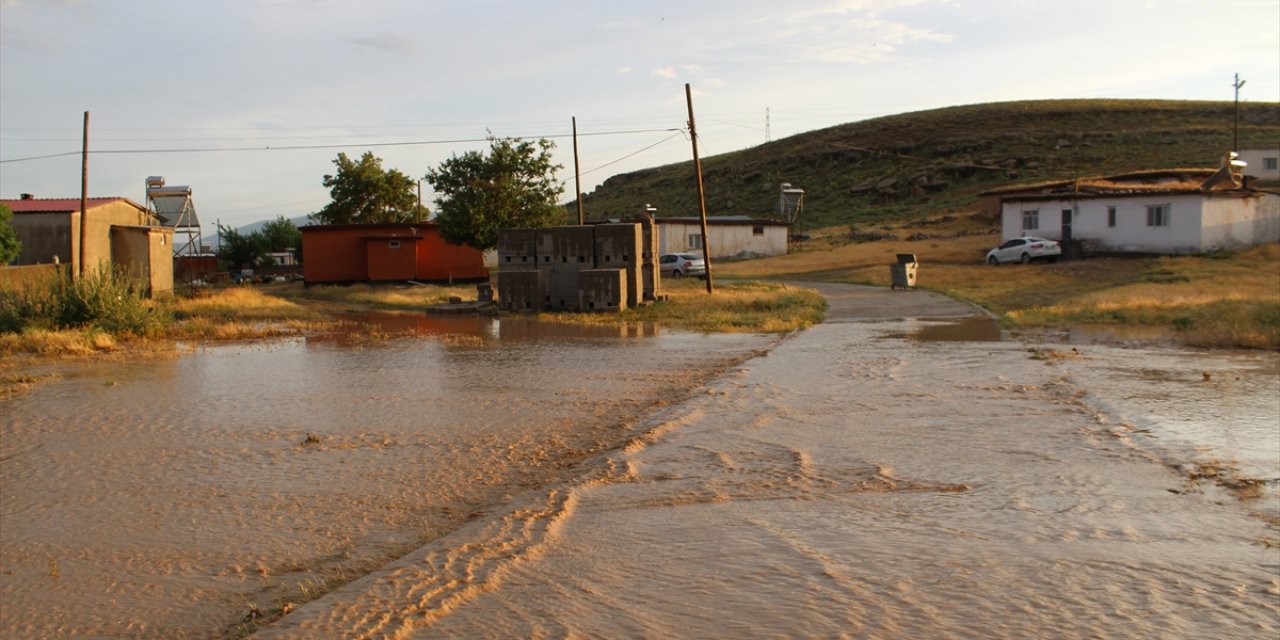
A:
(345, 253)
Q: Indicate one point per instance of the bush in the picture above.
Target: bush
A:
(107, 299)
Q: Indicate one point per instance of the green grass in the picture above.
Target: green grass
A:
(959, 151)
(734, 307)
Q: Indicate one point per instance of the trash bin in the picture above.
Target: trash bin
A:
(904, 273)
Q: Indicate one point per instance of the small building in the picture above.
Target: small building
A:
(390, 252)
(1161, 211)
(731, 237)
(117, 231)
(1262, 166)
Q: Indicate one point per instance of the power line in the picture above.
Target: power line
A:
(325, 146)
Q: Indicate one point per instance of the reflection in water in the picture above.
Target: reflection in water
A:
(968, 329)
(172, 494)
(485, 328)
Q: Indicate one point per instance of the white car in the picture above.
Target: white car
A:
(679, 265)
(1025, 250)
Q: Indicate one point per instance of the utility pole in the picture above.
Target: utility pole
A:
(1235, 129)
(577, 174)
(84, 189)
(766, 125)
(702, 199)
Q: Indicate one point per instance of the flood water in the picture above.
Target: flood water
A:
(469, 477)
(168, 498)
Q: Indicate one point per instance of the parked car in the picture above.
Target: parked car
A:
(679, 265)
(1025, 250)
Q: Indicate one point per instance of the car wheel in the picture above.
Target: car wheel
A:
(677, 274)
(991, 260)
(1026, 258)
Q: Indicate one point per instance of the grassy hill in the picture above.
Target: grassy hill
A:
(916, 165)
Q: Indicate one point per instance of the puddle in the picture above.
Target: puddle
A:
(476, 327)
(969, 329)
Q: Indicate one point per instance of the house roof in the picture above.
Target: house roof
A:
(1156, 181)
(724, 220)
(61, 205)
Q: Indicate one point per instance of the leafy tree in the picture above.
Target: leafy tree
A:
(363, 192)
(10, 245)
(281, 235)
(239, 250)
(513, 185)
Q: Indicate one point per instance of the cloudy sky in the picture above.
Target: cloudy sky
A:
(249, 101)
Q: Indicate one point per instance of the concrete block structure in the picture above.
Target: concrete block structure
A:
(521, 290)
(619, 246)
(564, 255)
(603, 290)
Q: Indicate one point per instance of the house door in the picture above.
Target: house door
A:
(1066, 225)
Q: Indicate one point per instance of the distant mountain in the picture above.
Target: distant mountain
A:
(257, 226)
(929, 162)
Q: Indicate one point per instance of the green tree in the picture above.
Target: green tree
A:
(10, 245)
(281, 235)
(513, 185)
(240, 250)
(363, 192)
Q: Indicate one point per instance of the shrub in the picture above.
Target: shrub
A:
(107, 299)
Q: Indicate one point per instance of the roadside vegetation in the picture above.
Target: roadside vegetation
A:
(735, 307)
(107, 313)
(1221, 300)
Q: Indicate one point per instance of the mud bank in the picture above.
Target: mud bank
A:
(854, 482)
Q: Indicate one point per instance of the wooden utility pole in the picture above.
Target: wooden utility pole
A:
(1235, 125)
(702, 199)
(577, 174)
(84, 190)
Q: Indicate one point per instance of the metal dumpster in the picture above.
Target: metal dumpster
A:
(904, 273)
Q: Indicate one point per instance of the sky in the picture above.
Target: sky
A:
(250, 101)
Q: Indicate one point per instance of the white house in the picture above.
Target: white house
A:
(1164, 211)
(730, 236)
(1262, 165)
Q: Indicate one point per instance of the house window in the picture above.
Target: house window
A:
(1158, 215)
(757, 230)
(695, 241)
(1031, 220)
(393, 244)
(1270, 164)
(1111, 216)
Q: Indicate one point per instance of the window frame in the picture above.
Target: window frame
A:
(1030, 219)
(1159, 215)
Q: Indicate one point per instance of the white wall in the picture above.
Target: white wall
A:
(1256, 166)
(727, 240)
(1131, 233)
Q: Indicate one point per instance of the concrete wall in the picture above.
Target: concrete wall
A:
(44, 236)
(1231, 223)
(146, 253)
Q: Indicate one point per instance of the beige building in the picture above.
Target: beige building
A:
(730, 236)
(117, 231)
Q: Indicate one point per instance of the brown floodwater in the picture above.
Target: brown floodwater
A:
(909, 476)
(173, 498)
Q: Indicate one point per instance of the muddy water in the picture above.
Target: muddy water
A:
(859, 481)
(874, 476)
(173, 498)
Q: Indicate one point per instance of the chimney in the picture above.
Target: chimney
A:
(28, 196)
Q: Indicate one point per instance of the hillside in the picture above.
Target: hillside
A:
(920, 164)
